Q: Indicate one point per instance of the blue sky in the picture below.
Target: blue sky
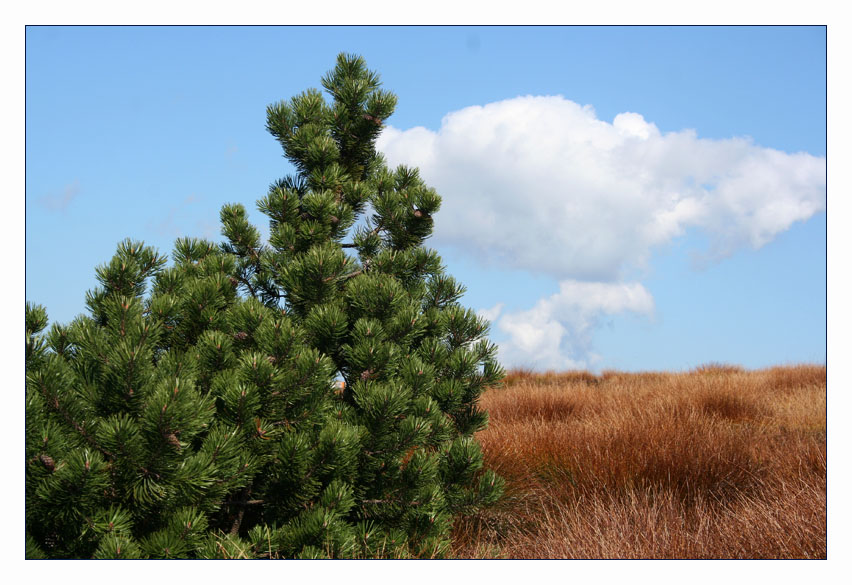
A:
(635, 198)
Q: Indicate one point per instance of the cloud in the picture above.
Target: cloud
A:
(173, 224)
(541, 184)
(60, 202)
(557, 332)
(492, 313)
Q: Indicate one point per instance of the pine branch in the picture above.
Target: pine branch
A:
(372, 232)
(235, 527)
(344, 277)
(238, 518)
(54, 403)
(246, 283)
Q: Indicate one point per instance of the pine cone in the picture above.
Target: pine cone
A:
(173, 441)
(48, 462)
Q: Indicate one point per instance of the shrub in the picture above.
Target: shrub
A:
(205, 417)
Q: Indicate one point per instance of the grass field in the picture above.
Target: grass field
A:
(715, 463)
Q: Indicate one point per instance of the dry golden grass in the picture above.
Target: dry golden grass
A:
(715, 463)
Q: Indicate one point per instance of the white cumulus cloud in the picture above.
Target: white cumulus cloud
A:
(541, 184)
(492, 313)
(557, 332)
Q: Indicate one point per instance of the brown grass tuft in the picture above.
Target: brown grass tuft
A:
(716, 368)
(715, 463)
(526, 376)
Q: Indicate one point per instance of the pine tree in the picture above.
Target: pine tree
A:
(312, 396)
